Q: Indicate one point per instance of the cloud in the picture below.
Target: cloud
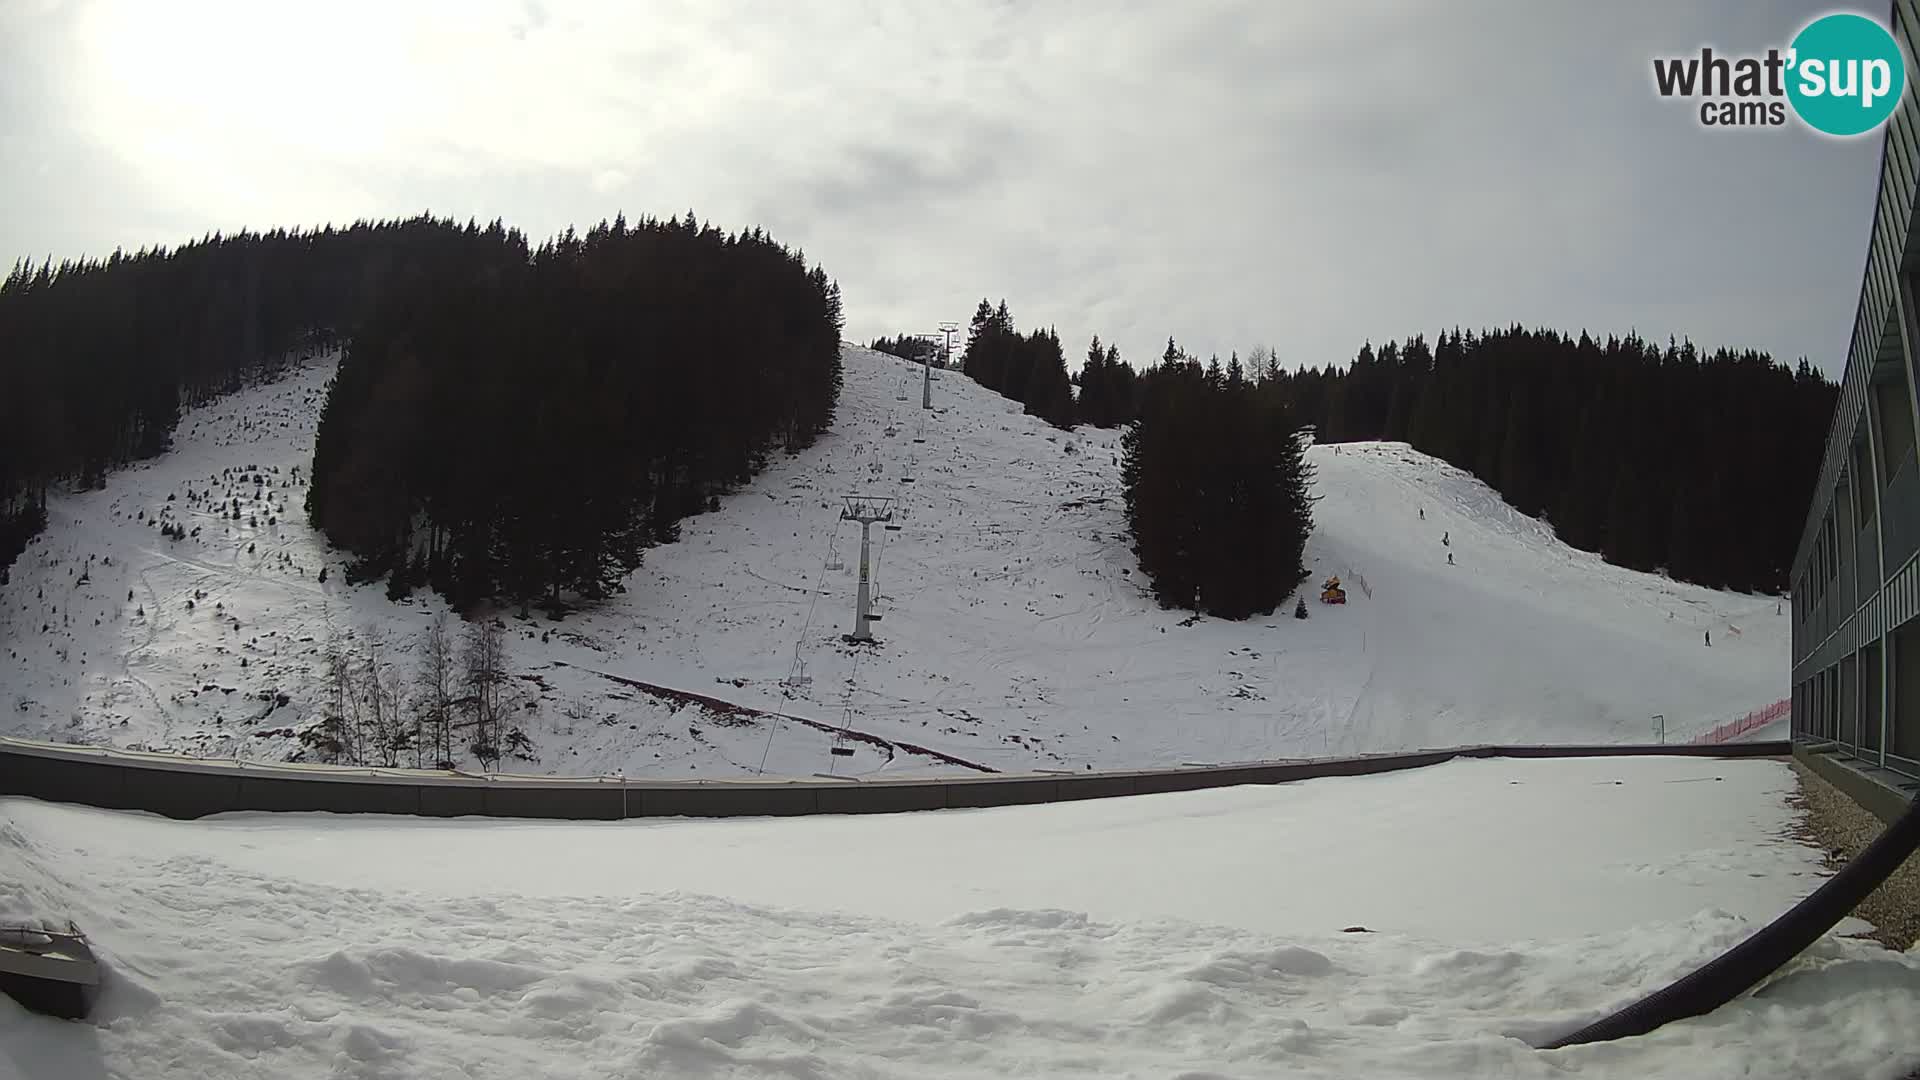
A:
(1228, 172)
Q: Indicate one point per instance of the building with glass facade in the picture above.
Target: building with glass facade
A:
(1855, 581)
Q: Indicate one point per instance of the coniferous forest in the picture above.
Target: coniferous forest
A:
(1693, 463)
(1214, 471)
(505, 423)
(99, 357)
(1109, 388)
(526, 431)
(1029, 368)
(1217, 487)
(1700, 464)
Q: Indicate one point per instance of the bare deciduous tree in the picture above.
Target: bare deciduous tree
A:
(483, 675)
(435, 701)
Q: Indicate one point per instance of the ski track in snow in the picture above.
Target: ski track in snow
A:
(1016, 629)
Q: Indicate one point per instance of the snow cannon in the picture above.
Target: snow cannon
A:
(1332, 593)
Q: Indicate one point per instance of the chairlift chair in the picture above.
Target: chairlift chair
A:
(797, 679)
(840, 747)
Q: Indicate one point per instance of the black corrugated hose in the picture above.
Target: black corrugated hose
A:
(1742, 967)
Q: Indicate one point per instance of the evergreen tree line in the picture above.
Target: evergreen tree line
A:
(1217, 486)
(909, 347)
(526, 430)
(98, 357)
(1028, 368)
(1109, 388)
(1701, 464)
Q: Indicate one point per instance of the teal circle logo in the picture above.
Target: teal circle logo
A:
(1845, 74)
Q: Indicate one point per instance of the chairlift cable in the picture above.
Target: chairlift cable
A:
(793, 672)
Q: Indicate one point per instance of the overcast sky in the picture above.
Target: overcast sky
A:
(1301, 175)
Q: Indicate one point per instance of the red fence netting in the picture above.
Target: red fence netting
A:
(1758, 718)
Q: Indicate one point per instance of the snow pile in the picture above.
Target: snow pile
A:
(1016, 632)
(1023, 941)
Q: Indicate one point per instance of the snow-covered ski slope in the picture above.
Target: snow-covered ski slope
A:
(1505, 902)
(1016, 631)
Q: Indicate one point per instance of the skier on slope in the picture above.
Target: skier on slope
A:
(1443, 539)
(1449, 558)
(1709, 639)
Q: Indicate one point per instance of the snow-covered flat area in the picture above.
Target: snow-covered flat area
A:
(1200, 934)
(1016, 630)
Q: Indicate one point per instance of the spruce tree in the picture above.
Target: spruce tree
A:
(1215, 482)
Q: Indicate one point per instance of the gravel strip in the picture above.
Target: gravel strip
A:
(1838, 826)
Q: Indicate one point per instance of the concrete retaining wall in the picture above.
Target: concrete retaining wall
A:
(189, 788)
(1885, 794)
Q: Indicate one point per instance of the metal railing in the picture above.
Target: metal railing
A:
(1866, 571)
(1901, 507)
